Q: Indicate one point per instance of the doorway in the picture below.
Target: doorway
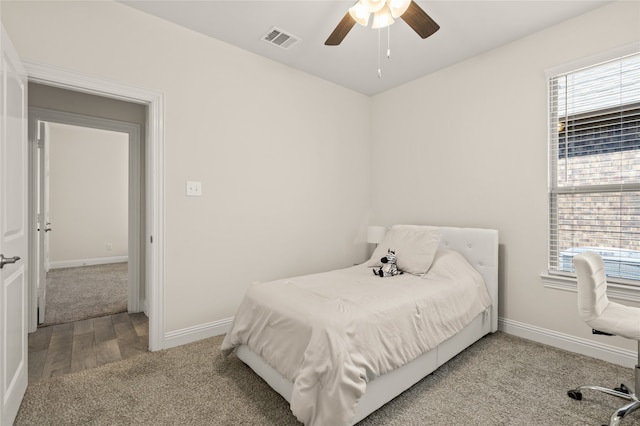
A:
(152, 236)
(87, 180)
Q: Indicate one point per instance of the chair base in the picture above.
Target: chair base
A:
(621, 392)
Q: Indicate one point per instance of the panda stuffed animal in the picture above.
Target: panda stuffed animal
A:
(389, 269)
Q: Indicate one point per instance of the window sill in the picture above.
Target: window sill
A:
(620, 291)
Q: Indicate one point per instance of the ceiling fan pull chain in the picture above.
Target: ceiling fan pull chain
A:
(389, 42)
(379, 68)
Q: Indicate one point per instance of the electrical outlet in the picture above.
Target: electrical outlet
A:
(194, 189)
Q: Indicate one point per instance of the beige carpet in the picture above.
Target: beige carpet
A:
(500, 380)
(85, 292)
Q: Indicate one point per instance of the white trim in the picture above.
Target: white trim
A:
(198, 332)
(67, 79)
(624, 357)
(71, 80)
(87, 262)
(618, 52)
(155, 221)
(629, 293)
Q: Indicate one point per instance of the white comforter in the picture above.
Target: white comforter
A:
(332, 332)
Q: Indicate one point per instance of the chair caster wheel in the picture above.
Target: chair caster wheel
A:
(622, 389)
(575, 394)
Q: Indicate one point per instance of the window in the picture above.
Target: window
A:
(594, 155)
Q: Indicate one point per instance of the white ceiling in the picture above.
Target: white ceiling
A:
(467, 28)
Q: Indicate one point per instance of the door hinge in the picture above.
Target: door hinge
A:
(151, 239)
(40, 143)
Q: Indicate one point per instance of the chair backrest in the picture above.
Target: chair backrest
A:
(592, 285)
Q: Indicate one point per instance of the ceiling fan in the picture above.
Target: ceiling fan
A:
(383, 13)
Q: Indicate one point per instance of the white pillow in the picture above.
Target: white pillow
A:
(415, 247)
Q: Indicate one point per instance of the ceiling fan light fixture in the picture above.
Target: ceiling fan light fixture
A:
(360, 14)
(382, 18)
(398, 7)
(373, 5)
(386, 11)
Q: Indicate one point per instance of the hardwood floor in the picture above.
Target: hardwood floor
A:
(77, 346)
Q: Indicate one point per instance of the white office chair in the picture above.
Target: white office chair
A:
(609, 318)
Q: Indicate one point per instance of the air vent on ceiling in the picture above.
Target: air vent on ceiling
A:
(280, 38)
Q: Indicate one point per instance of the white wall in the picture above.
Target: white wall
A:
(470, 149)
(284, 192)
(89, 187)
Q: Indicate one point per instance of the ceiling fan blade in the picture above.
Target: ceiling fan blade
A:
(418, 19)
(341, 31)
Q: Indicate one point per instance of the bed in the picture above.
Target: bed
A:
(338, 368)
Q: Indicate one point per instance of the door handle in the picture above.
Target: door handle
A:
(5, 260)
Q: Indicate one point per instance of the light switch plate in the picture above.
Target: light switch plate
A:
(194, 189)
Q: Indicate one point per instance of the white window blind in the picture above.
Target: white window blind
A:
(594, 191)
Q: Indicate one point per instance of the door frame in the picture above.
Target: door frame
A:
(154, 182)
(133, 131)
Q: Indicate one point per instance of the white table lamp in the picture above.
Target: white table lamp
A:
(375, 234)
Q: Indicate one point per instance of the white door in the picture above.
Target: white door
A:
(44, 224)
(13, 232)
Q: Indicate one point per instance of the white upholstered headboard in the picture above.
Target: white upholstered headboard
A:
(480, 248)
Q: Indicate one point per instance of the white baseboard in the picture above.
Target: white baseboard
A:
(198, 332)
(87, 262)
(613, 354)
